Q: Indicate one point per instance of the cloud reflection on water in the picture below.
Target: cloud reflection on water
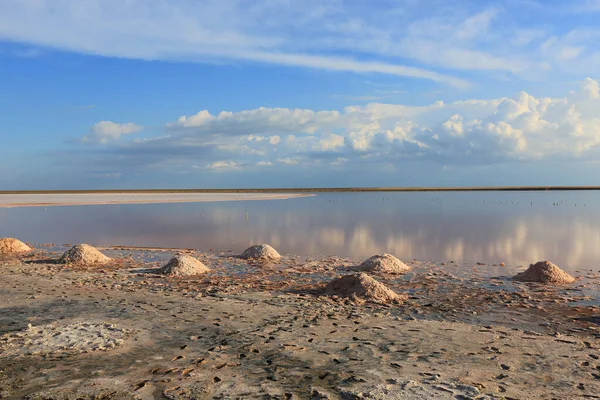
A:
(472, 227)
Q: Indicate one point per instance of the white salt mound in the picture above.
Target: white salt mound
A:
(12, 246)
(182, 265)
(83, 254)
(260, 252)
(384, 263)
(544, 272)
(362, 286)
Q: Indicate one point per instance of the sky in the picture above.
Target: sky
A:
(98, 94)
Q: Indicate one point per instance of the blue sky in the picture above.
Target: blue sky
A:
(238, 93)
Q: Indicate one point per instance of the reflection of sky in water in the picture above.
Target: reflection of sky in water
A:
(511, 227)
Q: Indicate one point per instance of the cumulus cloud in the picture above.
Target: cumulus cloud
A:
(261, 121)
(223, 166)
(522, 128)
(287, 161)
(107, 131)
(329, 142)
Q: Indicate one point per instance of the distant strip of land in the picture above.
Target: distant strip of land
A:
(64, 198)
(309, 190)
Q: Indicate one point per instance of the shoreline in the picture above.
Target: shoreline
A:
(248, 330)
(107, 198)
(309, 190)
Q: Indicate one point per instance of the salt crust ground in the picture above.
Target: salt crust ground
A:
(182, 265)
(412, 390)
(362, 287)
(261, 252)
(12, 246)
(395, 389)
(73, 338)
(83, 254)
(266, 344)
(384, 263)
(544, 272)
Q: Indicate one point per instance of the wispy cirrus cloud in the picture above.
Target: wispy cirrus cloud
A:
(200, 31)
(433, 40)
(586, 6)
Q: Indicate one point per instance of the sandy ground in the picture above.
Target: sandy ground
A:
(46, 200)
(266, 332)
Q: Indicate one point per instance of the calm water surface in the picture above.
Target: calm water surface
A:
(491, 227)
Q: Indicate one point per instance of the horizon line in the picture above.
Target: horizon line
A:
(309, 189)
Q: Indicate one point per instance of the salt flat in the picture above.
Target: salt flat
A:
(62, 199)
(125, 331)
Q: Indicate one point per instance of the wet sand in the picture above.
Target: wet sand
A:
(71, 199)
(250, 330)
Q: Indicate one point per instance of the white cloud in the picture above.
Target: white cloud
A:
(259, 122)
(107, 131)
(586, 6)
(522, 128)
(408, 39)
(467, 44)
(267, 32)
(454, 125)
(475, 131)
(287, 161)
(523, 37)
(591, 88)
(334, 63)
(329, 142)
(475, 25)
(219, 166)
(109, 175)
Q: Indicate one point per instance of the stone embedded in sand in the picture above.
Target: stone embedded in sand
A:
(544, 272)
(364, 287)
(182, 265)
(83, 254)
(12, 246)
(385, 263)
(261, 252)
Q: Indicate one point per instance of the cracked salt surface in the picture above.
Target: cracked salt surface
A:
(55, 338)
